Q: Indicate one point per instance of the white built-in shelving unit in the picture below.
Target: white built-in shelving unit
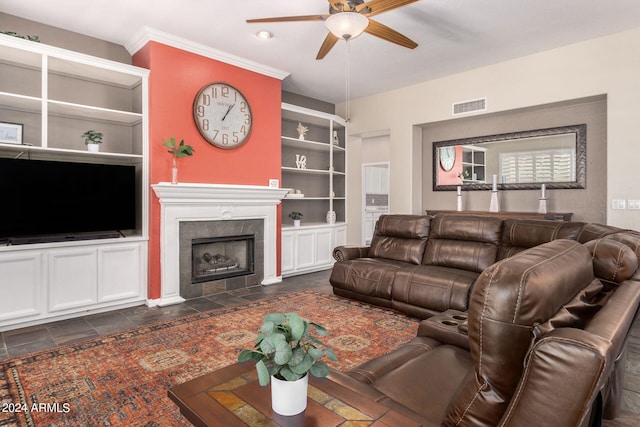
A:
(321, 184)
(57, 95)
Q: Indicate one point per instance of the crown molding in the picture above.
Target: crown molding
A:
(148, 34)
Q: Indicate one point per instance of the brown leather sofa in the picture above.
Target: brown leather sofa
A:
(540, 345)
(423, 265)
(540, 341)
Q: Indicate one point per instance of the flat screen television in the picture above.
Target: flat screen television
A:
(49, 199)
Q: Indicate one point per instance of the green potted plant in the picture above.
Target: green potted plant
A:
(92, 139)
(295, 216)
(177, 150)
(286, 352)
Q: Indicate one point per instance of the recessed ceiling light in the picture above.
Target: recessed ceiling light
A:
(264, 34)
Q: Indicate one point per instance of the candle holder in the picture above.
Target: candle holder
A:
(494, 206)
(459, 199)
(542, 205)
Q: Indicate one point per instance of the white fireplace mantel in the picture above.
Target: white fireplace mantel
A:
(210, 202)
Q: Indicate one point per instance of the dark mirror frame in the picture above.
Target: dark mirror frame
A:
(581, 158)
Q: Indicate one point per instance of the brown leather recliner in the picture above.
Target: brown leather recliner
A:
(543, 337)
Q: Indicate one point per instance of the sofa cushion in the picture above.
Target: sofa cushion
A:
(521, 234)
(613, 261)
(400, 237)
(507, 301)
(422, 376)
(631, 238)
(433, 287)
(595, 231)
(463, 242)
(366, 276)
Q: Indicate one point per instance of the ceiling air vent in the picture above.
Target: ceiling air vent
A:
(470, 106)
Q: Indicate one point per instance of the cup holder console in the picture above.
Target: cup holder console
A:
(449, 327)
(449, 323)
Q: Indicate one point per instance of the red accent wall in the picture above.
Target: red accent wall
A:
(176, 77)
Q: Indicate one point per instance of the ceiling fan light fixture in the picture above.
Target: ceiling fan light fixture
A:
(347, 25)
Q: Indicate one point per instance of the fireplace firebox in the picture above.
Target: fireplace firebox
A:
(215, 258)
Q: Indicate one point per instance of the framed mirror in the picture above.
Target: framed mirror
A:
(522, 160)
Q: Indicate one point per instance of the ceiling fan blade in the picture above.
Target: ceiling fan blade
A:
(379, 6)
(290, 18)
(379, 30)
(340, 5)
(327, 45)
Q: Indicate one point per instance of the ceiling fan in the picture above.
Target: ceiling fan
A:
(353, 14)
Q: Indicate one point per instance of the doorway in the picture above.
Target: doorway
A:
(375, 196)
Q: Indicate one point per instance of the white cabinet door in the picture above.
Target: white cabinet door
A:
(73, 281)
(341, 236)
(288, 251)
(20, 278)
(119, 272)
(324, 246)
(305, 249)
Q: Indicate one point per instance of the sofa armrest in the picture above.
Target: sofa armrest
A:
(566, 362)
(448, 327)
(345, 253)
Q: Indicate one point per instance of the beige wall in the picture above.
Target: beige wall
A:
(587, 204)
(605, 66)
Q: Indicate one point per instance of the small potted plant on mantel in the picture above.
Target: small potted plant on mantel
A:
(178, 150)
(286, 352)
(92, 140)
(295, 216)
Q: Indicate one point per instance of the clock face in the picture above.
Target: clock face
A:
(222, 115)
(447, 157)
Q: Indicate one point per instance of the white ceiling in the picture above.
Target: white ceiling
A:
(453, 35)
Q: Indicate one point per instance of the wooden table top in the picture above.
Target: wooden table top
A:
(231, 397)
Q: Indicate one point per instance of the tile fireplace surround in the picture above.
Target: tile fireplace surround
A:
(211, 202)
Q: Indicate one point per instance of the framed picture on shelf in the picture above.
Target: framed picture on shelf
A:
(11, 133)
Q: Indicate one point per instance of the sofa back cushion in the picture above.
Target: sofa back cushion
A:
(400, 237)
(594, 231)
(463, 241)
(521, 234)
(613, 261)
(507, 301)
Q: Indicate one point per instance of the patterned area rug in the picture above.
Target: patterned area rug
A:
(122, 379)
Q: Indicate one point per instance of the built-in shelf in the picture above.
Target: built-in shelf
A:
(322, 181)
(57, 95)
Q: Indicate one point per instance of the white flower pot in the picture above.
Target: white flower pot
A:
(296, 223)
(289, 397)
(94, 148)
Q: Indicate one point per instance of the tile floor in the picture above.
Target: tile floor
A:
(35, 338)
(41, 337)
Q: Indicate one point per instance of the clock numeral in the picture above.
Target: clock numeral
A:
(243, 129)
(236, 138)
(223, 92)
(247, 119)
(205, 124)
(225, 138)
(206, 99)
(243, 107)
(200, 110)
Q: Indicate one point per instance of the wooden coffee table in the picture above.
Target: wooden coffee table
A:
(231, 396)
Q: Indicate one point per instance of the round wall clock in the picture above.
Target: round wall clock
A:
(222, 115)
(447, 157)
